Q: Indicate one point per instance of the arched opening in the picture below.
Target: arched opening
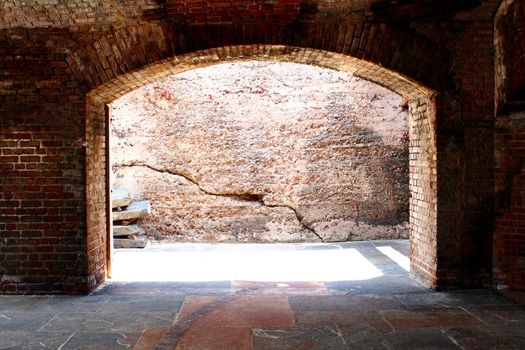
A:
(422, 150)
(262, 152)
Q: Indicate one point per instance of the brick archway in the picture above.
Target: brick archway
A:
(422, 132)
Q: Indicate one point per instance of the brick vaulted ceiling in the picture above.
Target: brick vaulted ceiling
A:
(160, 28)
(67, 13)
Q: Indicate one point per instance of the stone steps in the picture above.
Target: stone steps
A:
(126, 211)
(129, 230)
(135, 210)
(123, 243)
(120, 198)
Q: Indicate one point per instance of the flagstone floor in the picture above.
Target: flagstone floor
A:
(383, 308)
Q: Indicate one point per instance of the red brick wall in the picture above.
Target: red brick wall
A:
(41, 170)
(46, 73)
(221, 11)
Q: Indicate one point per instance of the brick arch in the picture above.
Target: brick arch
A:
(423, 155)
(122, 49)
(395, 47)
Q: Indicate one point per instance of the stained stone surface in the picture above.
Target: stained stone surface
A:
(265, 152)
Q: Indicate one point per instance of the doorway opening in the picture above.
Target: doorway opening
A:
(297, 209)
(264, 152)
(255, 153)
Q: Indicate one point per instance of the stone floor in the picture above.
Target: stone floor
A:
(390, 311)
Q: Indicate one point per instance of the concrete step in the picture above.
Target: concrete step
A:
(122, 243)
(130, 230)
(120, 198)
(135, 210)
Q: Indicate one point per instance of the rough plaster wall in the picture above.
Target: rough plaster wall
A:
(265, 152)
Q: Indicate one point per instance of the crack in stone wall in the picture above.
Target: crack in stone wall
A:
(246, 197)
(326, 150)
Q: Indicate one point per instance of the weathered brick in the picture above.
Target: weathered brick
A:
(48, 70)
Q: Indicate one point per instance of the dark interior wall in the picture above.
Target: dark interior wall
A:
(49, 65)
(509, 233)
(465, 142)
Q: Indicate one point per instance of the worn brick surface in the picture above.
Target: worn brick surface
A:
(52, 144)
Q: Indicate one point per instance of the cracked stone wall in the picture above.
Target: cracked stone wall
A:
(265, 152)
